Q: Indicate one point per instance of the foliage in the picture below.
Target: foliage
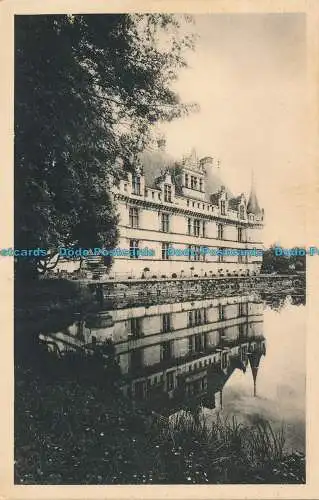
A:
(87, 89)
(282, 264)
(69, 430)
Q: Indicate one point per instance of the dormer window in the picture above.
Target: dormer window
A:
(167, 193)
(241, 212)
(223, 207)
(193, 182)
(136, 185)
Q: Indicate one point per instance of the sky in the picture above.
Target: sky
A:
(248, 75)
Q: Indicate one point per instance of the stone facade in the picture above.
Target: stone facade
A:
(184, 205)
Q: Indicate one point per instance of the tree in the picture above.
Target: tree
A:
(87, 90)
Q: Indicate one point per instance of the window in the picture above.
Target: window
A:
(133, 217)
(220, 229)
(170, 380)
(196, 227)
(136, 184)
(133, 249)
(165, 247)
(240, 259)
(125, 187)
(165, 223)
(193, 182)
(190, 318)
(223, 207)
(166, 351)
(224, 360)
(194, 252)
(241, 212)
(167, 193)
(241, 330)
(204, 228)
(201, 184)
(166, 323)
(136, 360)
(220, 258)
(240, 309)
(197, 317)
(189, 225)
(135, 327)
(221, 312)
(186, 180)
(240, 234)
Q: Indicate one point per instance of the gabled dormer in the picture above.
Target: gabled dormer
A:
(192, 176)
(136, 181)
(220, 199)
(166, 185)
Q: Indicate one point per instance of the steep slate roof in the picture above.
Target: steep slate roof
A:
(234, 202)
(253, 205)
(156, 161)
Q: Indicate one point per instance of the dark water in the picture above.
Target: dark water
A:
(239, 355)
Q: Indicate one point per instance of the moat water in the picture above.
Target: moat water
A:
(241, 356)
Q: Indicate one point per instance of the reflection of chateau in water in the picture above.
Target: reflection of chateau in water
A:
(175, 352)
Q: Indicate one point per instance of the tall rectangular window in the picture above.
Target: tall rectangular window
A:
(167, 193)
(189, 225)
(166, 323)
(170, 380)
(220, 258)
(165, 247)
(220, 230)
(204, 228)
(194, 252)
(223, 207)
(240, 259)
(133, 249)
(221, 312)
(201, 184)
(165, 223)
(241, 212)
(166, 351)
(135, 327)
(196, 227)
(186, 180)
(134, 217)
(193, 182)
(136, 359)
(136, 184)
(240, 234)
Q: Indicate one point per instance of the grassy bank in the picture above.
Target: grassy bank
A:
(78, 432)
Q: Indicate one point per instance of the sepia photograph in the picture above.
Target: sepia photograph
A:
(160, 312)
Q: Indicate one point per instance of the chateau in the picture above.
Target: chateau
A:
(184, 205)
(171, 353)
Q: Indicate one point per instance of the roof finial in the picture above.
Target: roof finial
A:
(253, 205)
